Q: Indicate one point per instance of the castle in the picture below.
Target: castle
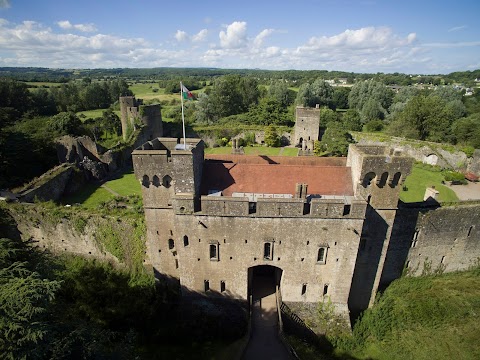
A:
(321, 227)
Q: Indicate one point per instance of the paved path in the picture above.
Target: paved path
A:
(471, 191)
(264, 343)
(109, 190)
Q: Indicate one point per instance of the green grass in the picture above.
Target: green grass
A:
(431, 317)
(93, 195)
(92, 114)
(126, 185)
(145, 92)
(419, 180)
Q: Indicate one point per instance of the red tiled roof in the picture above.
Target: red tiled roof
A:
(276, 175)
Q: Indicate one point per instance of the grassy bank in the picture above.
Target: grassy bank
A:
(424, 176)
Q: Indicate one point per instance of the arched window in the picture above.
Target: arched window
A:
(322, 255)
(325, 289)
(145, 181)
(213, 252)
(166, 181)
(367, 180)
(304, 289)
(155, 181)
(185, 240)
(171, 244)
(396, 179)
(206, 285)
(383, 180)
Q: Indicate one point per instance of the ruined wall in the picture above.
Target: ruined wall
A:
(445, 239)
(73, 231)
(49, 186)
(307, 124)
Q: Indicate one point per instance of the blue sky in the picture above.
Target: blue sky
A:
(422, 36)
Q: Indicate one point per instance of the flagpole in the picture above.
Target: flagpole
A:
(183, 117)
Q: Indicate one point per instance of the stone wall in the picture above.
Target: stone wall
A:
(240, 243)
(49, 186)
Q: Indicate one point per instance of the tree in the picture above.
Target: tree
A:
(279, 91)
(269, 111)
(467, 131)
(328, 116)
(317, 93)
(271, 137)
(66, 123)
(24, 299)
(351, 120)
(371, 110)
(340, 97)
(335, 141)
(369, 90)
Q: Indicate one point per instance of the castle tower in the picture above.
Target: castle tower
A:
(133, 111)
(126, 102)
(377, 175)
(170, 176)
(307, 124)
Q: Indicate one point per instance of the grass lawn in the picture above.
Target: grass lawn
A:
(126, 185)
(145, 92)
(92, 114)
(419, 180)
(92, 195)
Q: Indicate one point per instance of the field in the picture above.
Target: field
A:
(421, 178)
(145, 92)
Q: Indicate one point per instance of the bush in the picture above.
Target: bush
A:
(454, 177)
(374, 125)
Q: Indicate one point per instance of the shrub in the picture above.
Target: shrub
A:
(374, 125)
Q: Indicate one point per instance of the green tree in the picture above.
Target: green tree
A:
(370, 90)
(279, 91)
(328, 116)
(66, 123)
(25, 297)
(351, 120)
(340, 97)
(467, 130)
(371, 110)
(335, 141)
(319, 92)
(271, 137)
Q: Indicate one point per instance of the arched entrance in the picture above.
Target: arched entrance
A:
(262, 280)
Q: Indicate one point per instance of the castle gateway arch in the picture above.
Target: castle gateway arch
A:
(263, 280)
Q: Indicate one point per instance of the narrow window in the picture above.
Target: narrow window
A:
(213, 248)
(267, 251)
(325, 289)
(304, 289)
(346, 209)
(222, 286)
(171, 244)
(322, 254)
(413, 243)
(185, 240)
(176, 263)
(145, 181)
(443, 260)
(206, 285)
(407, 265)
(156, 181)
(470, 231)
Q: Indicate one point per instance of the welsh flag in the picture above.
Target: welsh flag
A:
(187, 94)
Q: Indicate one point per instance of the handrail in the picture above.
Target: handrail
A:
(290, 349)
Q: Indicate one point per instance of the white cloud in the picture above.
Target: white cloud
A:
(368, 49)
(457, 28)
(181, 36)
(200, 36)
(258, 41)
(5, 4)
(67, 25)
(235, 35)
